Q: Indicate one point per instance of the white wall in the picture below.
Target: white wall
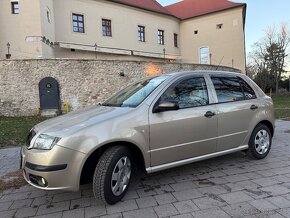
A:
(125, 20)
(225, 44)
(47, 28)
(15, 27)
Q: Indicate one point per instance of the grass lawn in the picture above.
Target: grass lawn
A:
(13, 130)
(282, 106)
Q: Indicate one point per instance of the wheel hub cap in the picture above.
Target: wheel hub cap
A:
(121, 176)
(262, 142)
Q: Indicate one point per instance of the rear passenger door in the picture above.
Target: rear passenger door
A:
(237, 106)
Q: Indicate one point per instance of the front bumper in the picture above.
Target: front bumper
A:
(60, 168)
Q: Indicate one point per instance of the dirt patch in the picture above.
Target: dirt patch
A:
(13, 180)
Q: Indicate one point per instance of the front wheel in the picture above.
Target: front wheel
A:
(112, 175)
(260, 142)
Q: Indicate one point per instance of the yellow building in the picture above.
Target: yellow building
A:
(190, 31)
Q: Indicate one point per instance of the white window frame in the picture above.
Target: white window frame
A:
(202, 58)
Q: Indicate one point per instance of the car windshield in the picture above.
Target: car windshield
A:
(136, 93)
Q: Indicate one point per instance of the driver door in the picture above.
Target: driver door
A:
(185, 133)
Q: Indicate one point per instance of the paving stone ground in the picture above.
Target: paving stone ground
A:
(229, 186)
(9, 160)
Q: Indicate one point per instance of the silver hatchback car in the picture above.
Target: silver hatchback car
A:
(155, 124)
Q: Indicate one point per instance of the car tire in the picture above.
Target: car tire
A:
(260, 142)
(112, 175)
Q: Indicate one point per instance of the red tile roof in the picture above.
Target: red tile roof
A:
(184, 9)
(193, 8)
(150, 5)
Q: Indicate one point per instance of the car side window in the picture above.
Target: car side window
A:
(191, 92)
(248, 91)
(228, 89)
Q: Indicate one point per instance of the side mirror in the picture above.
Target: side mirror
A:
(166, 106)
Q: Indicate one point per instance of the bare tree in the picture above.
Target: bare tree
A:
(277, 45)
(258, 66)
(268, 58)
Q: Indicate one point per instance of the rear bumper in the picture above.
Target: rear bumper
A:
(60, 168)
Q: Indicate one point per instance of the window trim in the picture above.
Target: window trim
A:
(140, 32)
(107, 32)
(161, 37)
(212, 96)
(13, 9)
(78, 22)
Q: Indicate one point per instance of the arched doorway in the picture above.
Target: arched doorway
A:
(49, 95)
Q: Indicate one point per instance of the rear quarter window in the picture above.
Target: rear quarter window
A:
(248, 91)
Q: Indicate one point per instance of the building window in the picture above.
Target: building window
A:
(161, 37)
(204, 55)
(175, 40)
(141, 33)
(78, 23)
(15, 7)
(107, 27)
(195, 32)
(219, 26)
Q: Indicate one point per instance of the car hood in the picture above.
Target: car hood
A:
(74, 121)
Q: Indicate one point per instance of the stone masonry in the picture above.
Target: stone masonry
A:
(82, 82)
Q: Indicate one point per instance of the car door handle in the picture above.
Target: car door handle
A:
(254, 107)
(209, 114)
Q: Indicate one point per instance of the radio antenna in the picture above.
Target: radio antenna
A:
(220, 63)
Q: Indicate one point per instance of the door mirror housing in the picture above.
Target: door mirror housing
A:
(166, 106)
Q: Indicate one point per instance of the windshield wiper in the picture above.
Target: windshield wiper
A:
(111, 105)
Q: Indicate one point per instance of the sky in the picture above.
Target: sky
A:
(260, 15)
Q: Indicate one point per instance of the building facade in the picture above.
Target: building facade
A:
(190, 31)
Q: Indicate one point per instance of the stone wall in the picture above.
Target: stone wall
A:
(82, 82)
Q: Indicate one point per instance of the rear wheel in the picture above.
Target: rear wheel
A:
(112, 175)
(260, 142)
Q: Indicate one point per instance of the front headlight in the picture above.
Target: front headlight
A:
(45, 142)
